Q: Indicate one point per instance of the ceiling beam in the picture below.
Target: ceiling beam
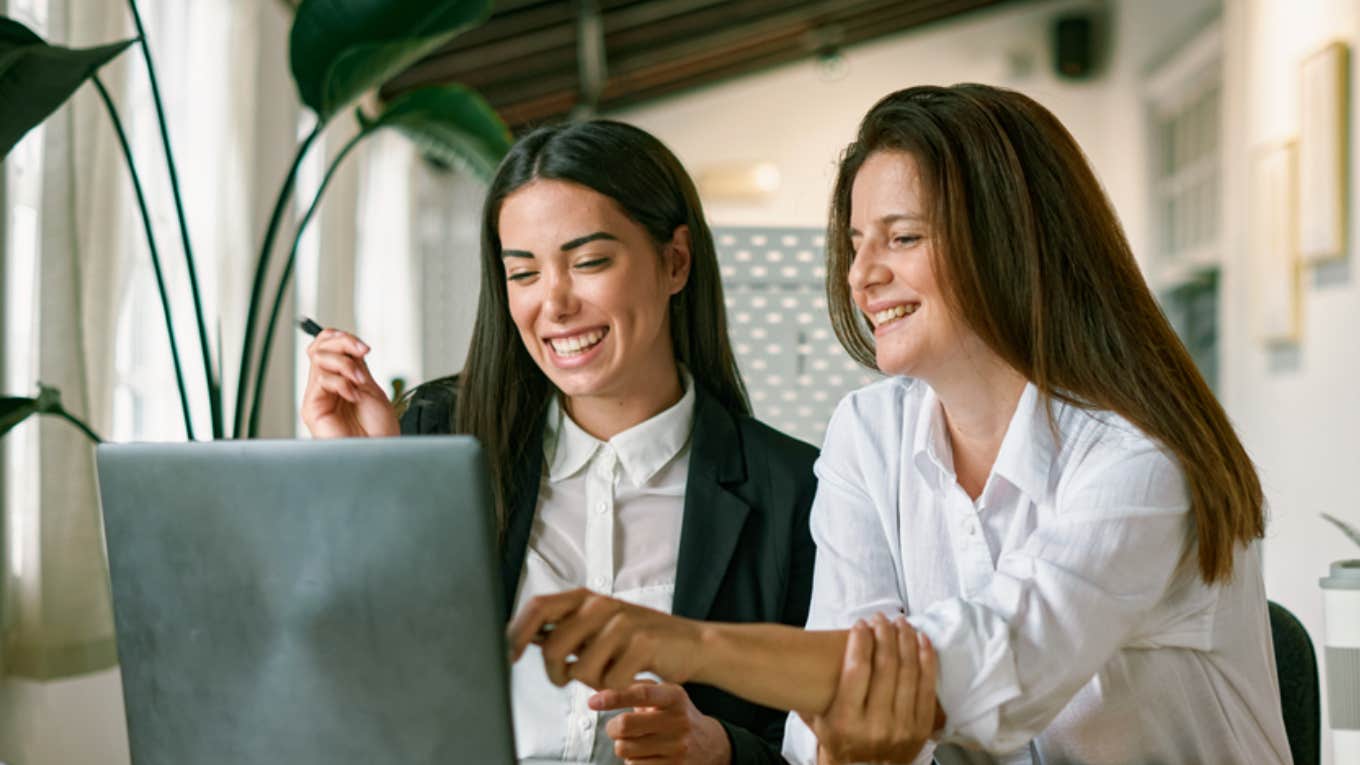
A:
(538, 60)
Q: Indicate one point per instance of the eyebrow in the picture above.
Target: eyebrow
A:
(566, 246)
(888, 220)
(587, 239)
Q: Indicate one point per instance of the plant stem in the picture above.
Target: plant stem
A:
(261, 270)
(155, 254)
(214, 386)
(65, 415)
(268, 339)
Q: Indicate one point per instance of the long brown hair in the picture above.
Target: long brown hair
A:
(502, 393)
(1032, 257)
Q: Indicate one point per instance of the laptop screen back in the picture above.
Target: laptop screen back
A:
(307, 602)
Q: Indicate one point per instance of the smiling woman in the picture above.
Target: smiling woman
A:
(602, 385)
(590, 293)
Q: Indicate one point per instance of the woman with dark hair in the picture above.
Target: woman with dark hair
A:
(602, 386)
(1044, 498)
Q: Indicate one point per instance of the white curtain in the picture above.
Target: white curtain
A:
(386, 298)
(88, 321)
(58, 621)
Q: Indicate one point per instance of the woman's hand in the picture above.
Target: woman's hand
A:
(612, 640)
(341, 398)
(884, 707)
(664, 727)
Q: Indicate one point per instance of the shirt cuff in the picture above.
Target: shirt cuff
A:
(976, 671)
(800, 745)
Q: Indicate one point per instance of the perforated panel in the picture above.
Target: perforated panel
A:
(795, 369)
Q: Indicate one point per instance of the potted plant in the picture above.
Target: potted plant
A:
(338, 51)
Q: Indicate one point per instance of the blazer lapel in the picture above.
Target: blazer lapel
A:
(528, 473)
(713, 515)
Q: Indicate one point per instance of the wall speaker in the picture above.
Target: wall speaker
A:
(1074, 46)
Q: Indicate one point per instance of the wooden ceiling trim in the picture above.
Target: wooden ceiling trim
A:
(647, 15)
(505, 25)
(524, 60)
(703, 26)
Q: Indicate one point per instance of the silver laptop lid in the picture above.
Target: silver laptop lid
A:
(307, 602)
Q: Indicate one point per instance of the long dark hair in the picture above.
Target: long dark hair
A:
(502, 393)
(1031, 255)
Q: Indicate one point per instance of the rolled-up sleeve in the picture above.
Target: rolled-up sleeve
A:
(1059, 606)
(856, 573)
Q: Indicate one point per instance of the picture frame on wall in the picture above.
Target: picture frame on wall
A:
(1323, 153)
(1276, 302)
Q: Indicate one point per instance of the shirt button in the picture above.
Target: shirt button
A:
(585, 723)
(972, 528)
(598, 582)
(601, 508)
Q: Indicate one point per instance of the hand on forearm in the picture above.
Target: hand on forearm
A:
(884, 707)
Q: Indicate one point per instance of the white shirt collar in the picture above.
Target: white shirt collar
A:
(1026, 453)
(930, 444)
(641, 450)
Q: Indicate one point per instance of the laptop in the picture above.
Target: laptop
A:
(307, 602)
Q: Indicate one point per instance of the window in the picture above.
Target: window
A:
(1185, 118)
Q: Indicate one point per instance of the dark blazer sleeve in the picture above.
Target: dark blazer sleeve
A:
(781, 481)
(747, 747)
(428, 409)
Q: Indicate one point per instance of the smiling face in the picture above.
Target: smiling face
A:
(588, 290)
(892, 278)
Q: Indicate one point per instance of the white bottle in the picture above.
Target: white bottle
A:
(1341, 609)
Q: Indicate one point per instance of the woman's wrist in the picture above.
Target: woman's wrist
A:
(705, 650)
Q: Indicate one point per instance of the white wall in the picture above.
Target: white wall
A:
(1297, 407)
(799, 120)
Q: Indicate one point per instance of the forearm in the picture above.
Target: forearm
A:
(773, 665)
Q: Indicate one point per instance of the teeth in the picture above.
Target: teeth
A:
(575, 346)
(896, 312)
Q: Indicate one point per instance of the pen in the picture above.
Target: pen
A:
(309, 326)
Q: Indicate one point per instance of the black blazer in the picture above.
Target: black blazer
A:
(745, 549)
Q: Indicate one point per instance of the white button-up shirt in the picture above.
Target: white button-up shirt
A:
(1065, 604)
(609, 518)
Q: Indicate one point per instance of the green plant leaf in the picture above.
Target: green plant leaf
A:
(14, 410)
(451, 122)
(36, 78)
(1346, 528)
(340, 48)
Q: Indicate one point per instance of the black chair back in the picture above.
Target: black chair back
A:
(1297, 666)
